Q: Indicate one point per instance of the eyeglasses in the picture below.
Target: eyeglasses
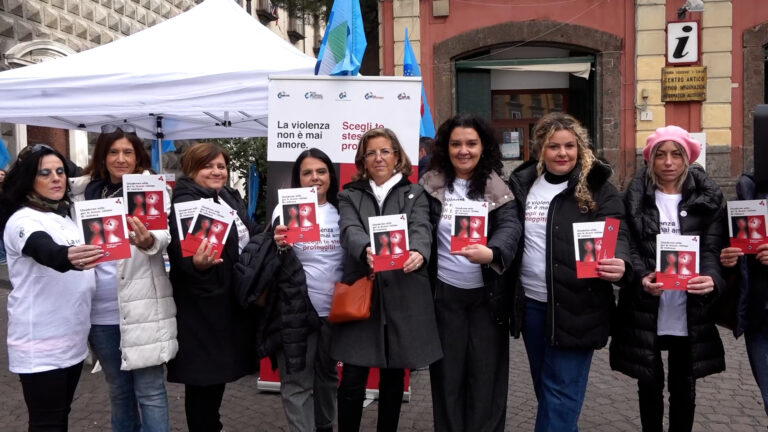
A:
(384, 153)
(124, 127)
(28, 150)
(46, 172)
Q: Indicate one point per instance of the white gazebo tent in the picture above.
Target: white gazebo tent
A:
(201, 74)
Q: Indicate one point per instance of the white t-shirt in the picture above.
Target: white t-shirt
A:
(454, 270)
(243, 235)
(322, 260)
(673, 315)
(533, 269)
(48, 312)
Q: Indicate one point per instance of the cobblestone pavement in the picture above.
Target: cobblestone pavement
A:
(729, 401)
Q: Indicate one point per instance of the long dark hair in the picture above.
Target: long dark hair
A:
(97, 168)
(333, 187)
(490, 158)
(21, 179)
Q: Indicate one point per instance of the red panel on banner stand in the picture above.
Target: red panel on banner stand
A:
(269, 381)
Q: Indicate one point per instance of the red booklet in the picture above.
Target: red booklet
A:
(594, 241)
(299, 213)
(389, 241)
(747, 224)
(184, 213)
(144, 195)
(469, 224)
(677, 260)
(102, 223)
(212, 222)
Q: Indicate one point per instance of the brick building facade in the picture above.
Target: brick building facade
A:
(470, 53)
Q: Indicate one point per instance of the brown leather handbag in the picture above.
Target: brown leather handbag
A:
(351, 302)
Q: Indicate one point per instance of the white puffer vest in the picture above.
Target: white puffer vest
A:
(144, 298)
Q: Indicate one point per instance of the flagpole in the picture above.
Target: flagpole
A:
(159, 135)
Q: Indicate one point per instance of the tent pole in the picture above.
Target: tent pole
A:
(159, 135)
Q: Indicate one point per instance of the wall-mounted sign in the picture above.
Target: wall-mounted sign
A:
(683, 42)
(685, 83)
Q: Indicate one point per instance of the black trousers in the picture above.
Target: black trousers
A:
(682, 389)
(49, 397)
(202, 404)
(351, 395)
(470, 383)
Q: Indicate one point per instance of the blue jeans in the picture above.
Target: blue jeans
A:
(757, 350)
(132, 392)
(559, 374)
(2, 252)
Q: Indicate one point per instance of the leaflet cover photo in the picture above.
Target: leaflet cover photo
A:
(677, 260)
(746, 224)
(298, 212)
(469, 224)
(102, 223)
(211, 222)
(593, 241)
(143, 195)
(389, 241)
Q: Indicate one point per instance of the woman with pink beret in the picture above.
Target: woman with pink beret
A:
(670, 195)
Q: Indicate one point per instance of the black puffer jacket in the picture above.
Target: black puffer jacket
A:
(503, 234)
(752, 312)
(701, 212)
(273, 285)
(579, 311)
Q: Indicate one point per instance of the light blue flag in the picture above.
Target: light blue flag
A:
(5, 158)
(411, 68)
(253, 191)
(165, 146)
(341, 51)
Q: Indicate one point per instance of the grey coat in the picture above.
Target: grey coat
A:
(401, 331)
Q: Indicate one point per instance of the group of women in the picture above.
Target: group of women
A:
(451, 310)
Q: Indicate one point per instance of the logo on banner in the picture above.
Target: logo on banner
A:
(403, 96)
(372, 95)
(313, 95)
(343, 97)
(283, 94)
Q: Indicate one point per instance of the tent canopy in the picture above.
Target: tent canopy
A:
(205, 72)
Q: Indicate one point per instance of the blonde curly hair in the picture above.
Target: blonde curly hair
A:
(542, 132)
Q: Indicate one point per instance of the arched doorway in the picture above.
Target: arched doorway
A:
(18, 136)
(513, 102)
(756, 80)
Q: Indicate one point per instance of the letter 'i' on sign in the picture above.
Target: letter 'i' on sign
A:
(683, 42)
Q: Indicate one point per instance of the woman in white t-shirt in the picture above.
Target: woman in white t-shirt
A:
(670, 196)
(469, 384)
(52, 282)
(563, 318)
(309, 396)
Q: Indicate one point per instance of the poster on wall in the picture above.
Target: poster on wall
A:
(331, 114)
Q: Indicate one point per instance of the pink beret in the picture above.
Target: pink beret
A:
(676, 134)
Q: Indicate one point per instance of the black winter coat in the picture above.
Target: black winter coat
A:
(752, 313)
(634, 343)
(503, 234)
(273, 285)
(402, 330)
(579, 311)
(214, 332)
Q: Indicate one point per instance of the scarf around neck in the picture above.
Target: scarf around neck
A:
(37, 202)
